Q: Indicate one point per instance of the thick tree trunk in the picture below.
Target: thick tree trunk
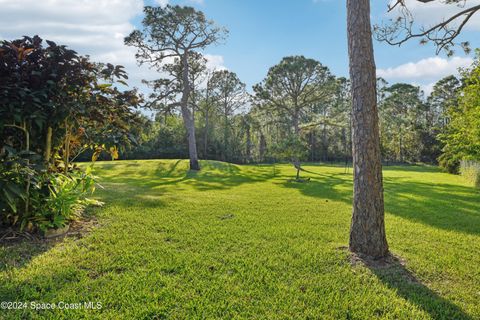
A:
(367, 233)
(192, 144)
(188, 117)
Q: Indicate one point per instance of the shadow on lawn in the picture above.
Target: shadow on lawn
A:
(444, 206)
(17, 254)
(395, 276)
(17, 248)
(147, 184)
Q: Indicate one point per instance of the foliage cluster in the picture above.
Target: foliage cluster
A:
(462, 134)
(471, 171)
(54, 105)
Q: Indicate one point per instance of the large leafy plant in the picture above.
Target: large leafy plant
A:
(55, 105)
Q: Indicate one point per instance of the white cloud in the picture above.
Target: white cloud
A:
(93, 27)
(428, 69)
(215, 62)
(162, 3)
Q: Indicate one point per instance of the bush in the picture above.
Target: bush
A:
(34, 199)
(67, 199)
(21, 184)
(449, 163)
(471, 171)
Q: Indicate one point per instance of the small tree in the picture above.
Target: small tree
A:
(175, 32)
(402, 115)
(230, 95)
(291, 148)
(292, 87)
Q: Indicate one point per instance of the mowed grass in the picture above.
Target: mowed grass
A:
(241, 242)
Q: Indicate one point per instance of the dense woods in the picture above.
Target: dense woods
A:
(414, 127)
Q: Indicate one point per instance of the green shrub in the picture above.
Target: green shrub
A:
(471, 171)
(21, 185)
(449, 163)
(66, 200)
(33, 199)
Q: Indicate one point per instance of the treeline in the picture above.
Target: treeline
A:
(300, 98)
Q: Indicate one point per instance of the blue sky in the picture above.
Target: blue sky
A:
(261, 33)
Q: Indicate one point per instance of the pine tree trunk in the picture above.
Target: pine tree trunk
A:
(192, 144)
(188, 117)
(367, 233)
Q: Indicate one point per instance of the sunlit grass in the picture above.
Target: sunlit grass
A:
(243, 242)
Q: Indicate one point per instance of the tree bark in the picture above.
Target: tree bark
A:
(367, 233)
(188, 117)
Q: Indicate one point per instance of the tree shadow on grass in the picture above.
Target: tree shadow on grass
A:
(17, 249)
(444, 206)
(122, 186)
(440, 205)
(16, 254)
(335, 186)
(392, 272)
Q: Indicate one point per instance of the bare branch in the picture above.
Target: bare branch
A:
(443, 35)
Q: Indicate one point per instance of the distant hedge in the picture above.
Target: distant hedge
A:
(471, 171)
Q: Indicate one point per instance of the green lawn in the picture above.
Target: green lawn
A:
(243, 242)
